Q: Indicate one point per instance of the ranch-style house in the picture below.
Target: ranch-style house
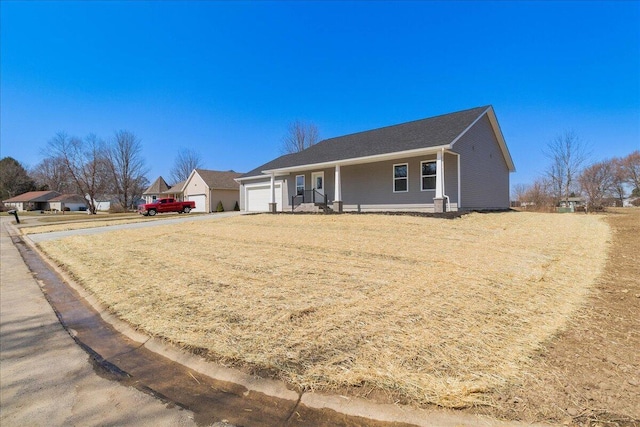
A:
(452, 162)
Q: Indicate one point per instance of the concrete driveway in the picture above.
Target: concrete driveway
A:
(36, 238)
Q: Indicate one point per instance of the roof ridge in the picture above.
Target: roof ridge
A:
(483, 108)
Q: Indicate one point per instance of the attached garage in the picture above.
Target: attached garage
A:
(258, 197)
(201, 202)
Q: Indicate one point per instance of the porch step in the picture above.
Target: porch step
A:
(312, 207)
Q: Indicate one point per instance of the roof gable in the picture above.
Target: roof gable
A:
(218, 180)
(426, 133)
(159, 186)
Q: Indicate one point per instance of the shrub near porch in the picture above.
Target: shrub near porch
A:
(425, 310)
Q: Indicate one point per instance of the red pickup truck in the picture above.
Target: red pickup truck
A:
(166, 205)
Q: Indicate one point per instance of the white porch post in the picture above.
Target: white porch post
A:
(439, 175)
(272, 204)
(438, 200)
(337, 202)
(338, 185)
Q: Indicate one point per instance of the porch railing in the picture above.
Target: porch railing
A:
(308, 196)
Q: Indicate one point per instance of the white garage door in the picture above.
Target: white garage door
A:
(201, 202)
(258, 198)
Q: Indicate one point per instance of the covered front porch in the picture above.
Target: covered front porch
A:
(428, 182)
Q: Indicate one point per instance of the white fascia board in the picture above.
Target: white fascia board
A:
(497, 131)
(193, 172)
(359, 160)
(248, 178)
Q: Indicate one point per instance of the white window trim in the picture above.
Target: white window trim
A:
(304, 184)
(426, 176)
(393, 174)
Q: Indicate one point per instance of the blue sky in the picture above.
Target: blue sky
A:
(226, 78)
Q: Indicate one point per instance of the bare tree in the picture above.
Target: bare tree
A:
(619, 179)
(538, 195)
(51, 173)
(597, 182)
(518, 191)
(300, 136)
(86, 162)
(126, 165)
(631, 168)
(567, 154)
(186, 161)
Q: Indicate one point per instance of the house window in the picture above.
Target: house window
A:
(401, 178)
(428, 175)
(299, 185)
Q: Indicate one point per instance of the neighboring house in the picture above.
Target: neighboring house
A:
(31, 201)
(176, 191)
(571, 204)
(207, 188)
(104, 202)
(46, 200)
(456, 161)
(70, 202)
(155, 190)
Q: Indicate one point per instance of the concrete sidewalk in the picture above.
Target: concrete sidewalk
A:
(46, 379)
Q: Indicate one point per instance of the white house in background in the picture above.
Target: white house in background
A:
(68, 202)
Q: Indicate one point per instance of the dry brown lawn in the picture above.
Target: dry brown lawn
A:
(423, 310)
(79, 222)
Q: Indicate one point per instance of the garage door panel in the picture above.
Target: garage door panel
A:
(201, 202)
(258, 198)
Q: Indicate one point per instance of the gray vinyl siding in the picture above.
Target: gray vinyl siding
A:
(451, 179)
(371, 184)
(484, 173)
(329, 183)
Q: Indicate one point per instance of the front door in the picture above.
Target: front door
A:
(317, 182)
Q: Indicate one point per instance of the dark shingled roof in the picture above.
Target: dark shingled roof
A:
(425, 133)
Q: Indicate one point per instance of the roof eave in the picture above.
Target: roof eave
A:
(355, 160)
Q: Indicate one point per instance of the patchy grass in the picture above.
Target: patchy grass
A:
(424, 310)
(87, 221)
